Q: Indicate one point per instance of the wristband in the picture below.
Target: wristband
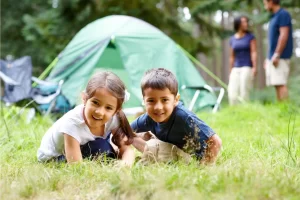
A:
(276, 55)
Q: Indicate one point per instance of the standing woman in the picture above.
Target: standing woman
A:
(243, 65)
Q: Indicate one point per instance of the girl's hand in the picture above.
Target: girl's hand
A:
(122, 163)
(127, 155)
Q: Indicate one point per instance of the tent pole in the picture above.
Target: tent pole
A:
(46, 71)
(204, 68)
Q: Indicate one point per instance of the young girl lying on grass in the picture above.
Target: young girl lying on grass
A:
(84, 132)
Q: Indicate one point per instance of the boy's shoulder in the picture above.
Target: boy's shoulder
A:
(182, 112)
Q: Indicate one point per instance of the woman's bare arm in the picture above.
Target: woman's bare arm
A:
(231, 59)
(253, 54)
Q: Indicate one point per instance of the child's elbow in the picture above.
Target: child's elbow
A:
(217, 142)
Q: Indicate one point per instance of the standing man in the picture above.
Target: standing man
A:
(280, 48)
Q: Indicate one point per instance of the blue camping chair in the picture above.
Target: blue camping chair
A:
(17, 78)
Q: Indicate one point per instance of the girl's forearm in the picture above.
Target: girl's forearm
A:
(72, 149)
(127, 155)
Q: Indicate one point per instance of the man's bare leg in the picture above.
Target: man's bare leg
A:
(281, 92)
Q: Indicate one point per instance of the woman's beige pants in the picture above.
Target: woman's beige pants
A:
(240, 84)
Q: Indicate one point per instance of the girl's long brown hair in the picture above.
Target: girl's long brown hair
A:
(123, 130)
(116, 87)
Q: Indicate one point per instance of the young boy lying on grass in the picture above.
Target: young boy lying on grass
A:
(172, 131)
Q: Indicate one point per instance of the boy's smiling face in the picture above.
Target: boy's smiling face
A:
(160, 103)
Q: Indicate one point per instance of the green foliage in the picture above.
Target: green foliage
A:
(260, 159)
(209, 6)
(12, 40)
(39, 30)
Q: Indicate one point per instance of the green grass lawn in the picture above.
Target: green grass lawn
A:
(260, 159)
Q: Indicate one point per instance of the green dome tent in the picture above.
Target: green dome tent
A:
(128, 47)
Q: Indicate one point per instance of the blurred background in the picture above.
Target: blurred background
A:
(42, 28)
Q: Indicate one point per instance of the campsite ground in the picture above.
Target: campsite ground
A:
(260, 159)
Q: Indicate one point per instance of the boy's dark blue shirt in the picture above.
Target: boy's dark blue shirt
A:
(182, 125)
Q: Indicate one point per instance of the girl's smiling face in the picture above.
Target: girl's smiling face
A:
(99, 109)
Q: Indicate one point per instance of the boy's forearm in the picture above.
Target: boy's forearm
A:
(139, 144)
(211, 155)
(214, 145)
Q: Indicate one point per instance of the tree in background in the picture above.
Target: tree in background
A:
(42, 29)
(12, 39)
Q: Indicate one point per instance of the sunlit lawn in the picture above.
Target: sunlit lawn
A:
(259, 160)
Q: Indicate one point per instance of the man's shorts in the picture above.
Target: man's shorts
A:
(277, 75)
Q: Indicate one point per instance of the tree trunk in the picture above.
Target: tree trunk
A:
(225, 51)
(260, 80)
(214, 64)
(200, 56)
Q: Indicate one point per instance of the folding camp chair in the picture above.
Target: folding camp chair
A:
(208, 88)
(16, 75)
(17, 79)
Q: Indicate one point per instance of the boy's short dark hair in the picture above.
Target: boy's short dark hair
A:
(277, 2)
(159, 78)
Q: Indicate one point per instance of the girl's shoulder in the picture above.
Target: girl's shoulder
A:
(75, 115)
